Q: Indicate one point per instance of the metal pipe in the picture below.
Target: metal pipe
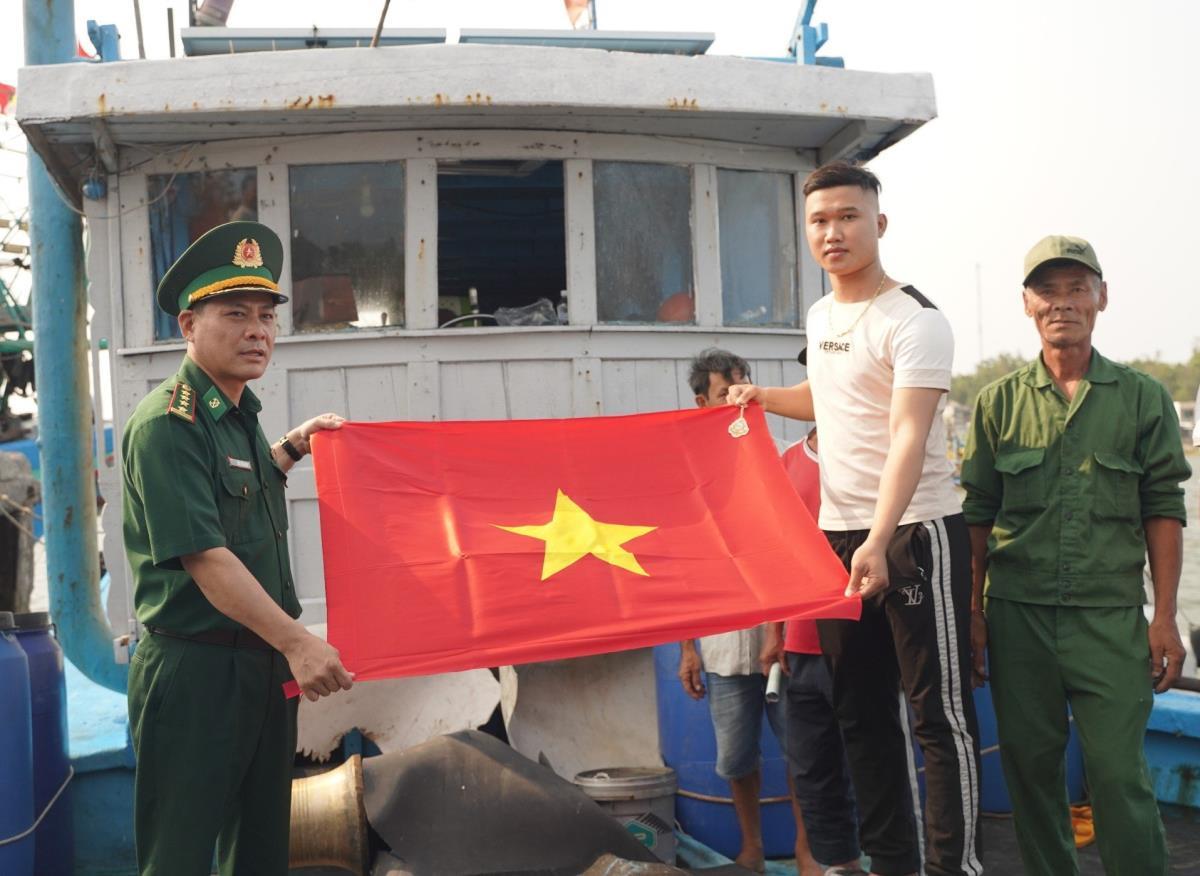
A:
(59, 308)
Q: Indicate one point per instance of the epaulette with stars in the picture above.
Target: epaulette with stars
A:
(183, 402)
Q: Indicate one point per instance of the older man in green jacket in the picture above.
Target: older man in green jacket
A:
(1072, 470)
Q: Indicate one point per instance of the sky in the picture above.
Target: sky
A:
(1054, 117)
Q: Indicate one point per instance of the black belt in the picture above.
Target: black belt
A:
(242, 638)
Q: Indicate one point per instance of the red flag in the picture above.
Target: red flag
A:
(452, 546)
(6, 95)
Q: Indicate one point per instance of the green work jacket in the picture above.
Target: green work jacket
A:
(1065, 485)
(198, 474)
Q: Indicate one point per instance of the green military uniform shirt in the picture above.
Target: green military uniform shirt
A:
(1065, 485)
(199, 475)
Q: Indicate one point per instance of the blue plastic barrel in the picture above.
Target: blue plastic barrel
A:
(16, 755)
(689, 746)
(54, 841)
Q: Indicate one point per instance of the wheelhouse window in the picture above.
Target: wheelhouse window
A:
(643, 243)
(758, 248)
(347, 245)
(501, 243)
(185, 205)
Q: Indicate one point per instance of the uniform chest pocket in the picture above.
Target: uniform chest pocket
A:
(277, 498)
(242, 514)
(1024, 478)
(1115, 486)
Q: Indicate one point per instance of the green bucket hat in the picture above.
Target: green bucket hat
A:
(234, 257)
(1057, 247)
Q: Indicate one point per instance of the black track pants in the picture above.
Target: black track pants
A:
(914, 638)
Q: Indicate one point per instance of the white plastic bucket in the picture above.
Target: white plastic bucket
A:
(642, 799)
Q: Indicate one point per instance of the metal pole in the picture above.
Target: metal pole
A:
(65, 432)
(379, 27)
(137, 18)
(171, 28)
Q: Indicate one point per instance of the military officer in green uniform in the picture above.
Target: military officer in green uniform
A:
(205, 530)
(1072, 470)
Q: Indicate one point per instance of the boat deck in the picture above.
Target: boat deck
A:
(1001, 857)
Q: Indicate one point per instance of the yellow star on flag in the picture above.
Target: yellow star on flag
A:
(572, 534)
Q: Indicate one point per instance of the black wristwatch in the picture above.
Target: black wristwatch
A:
(290, 449)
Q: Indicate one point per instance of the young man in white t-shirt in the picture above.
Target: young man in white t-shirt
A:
(879, 356)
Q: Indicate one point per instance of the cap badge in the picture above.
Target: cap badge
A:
(247, 254)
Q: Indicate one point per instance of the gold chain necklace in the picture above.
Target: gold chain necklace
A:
(861, 313)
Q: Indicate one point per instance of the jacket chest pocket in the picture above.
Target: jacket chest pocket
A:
(240, 504)
(1115, 486)
(1024, 478)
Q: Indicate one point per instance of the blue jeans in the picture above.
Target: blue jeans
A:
(737, 703)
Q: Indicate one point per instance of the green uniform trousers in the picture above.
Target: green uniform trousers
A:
(1042, 658)
(215, 741)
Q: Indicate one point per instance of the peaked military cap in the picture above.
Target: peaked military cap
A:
(234, 257)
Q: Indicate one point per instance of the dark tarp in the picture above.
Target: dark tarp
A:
(466, 804)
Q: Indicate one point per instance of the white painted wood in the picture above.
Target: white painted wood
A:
(845, 143)
(308, 569)
(706, 248)
(424, 391)
(580, 204)
(374, 346)
(474, 391)
(586, 393)
(397, 713)
(794, 105)
(555, 145)
(377, 393)
(136, 291)
(274, 198)
(273, 391)
(583, 714)
(315, 392)
(420, 243)
(812, 278)
(539, 390)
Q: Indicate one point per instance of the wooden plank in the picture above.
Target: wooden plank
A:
(811, 277)
(483, 144)
(420, 243)
(377, 393)
(617, 379)
(273, 391)
(706, 249)
(474, 391)
(136, 292)
(315, 392)
(656, 386)
(424, 391)
(308, 563)
(274, 211)
(587, 395)
(579, 195)
(539, 390)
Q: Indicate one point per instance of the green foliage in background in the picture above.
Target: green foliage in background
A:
(1181, 378)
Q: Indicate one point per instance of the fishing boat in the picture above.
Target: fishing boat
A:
(513, 225)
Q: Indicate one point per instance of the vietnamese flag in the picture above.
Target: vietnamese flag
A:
(459, 545)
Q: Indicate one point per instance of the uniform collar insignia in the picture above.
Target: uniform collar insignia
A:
(215, 403)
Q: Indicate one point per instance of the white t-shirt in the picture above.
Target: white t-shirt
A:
(902, 340)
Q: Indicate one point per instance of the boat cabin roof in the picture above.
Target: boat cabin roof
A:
(87, 118)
